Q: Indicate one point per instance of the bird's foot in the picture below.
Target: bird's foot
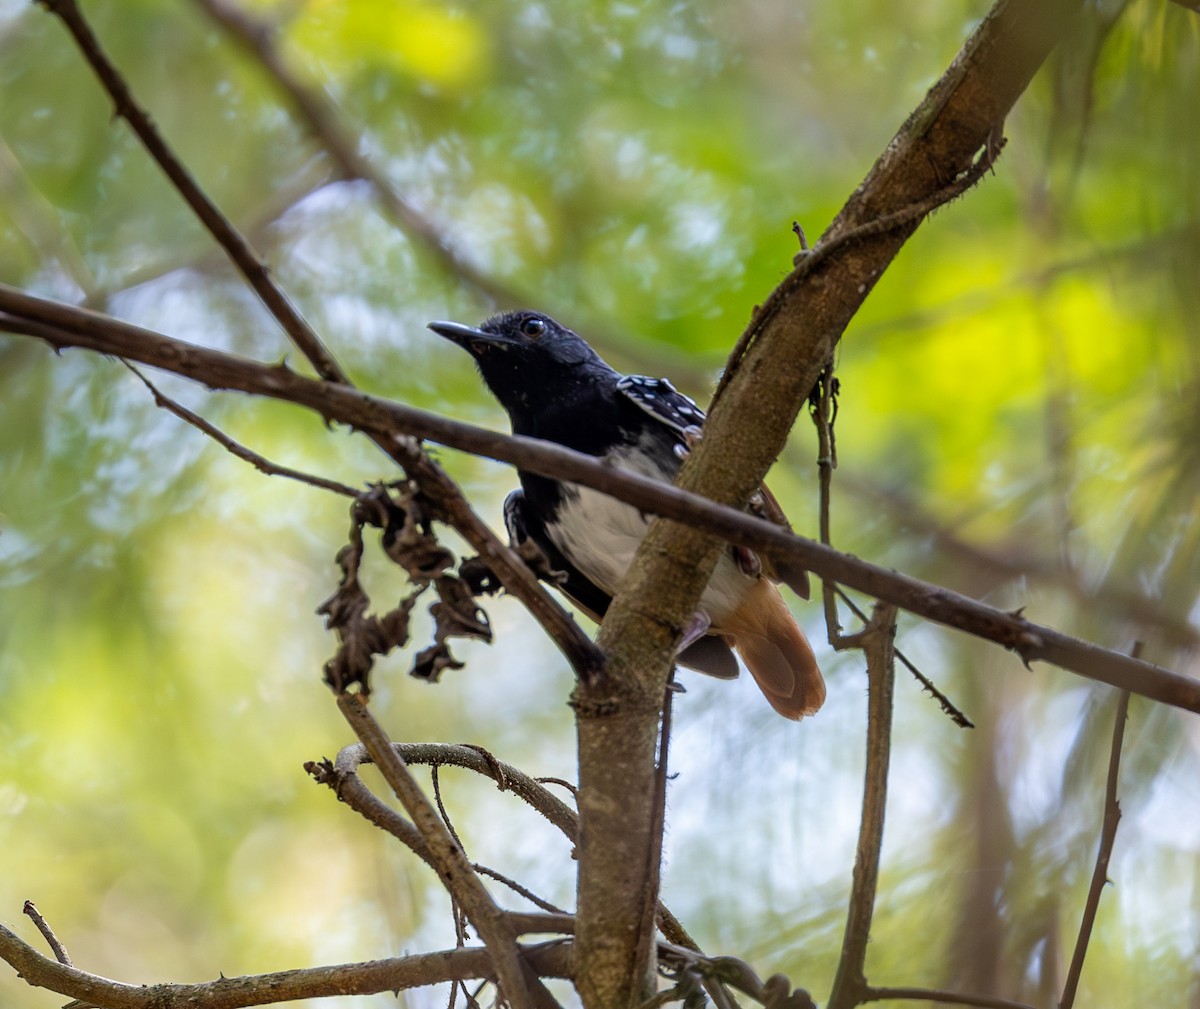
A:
(696, 628)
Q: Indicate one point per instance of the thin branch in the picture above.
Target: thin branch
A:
(64, 326)
(902, 219)
(448, 857)
(1009, 561)
(230, 239)
(343, 778)
(515, 780)
(516, 887)
(934, 995)
(505, 564)
(654, 849)
(368, 978)
(441, 806)
(877, 639)
(536, 923)
(823, 405)
(260, 463)
(1108, 835)
(43, 926)
(948, 706)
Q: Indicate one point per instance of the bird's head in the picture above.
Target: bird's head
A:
(526, 358)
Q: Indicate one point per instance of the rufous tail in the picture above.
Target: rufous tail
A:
(765, 634)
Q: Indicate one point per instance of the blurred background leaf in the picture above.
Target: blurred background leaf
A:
(1019, 420)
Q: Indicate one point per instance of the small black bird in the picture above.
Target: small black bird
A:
(555, 387)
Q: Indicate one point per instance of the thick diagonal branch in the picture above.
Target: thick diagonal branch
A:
(789, 341)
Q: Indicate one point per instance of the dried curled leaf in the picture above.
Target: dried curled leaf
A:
(411, 543)
(360, 636)
(430, 662)
(456, 613)
(480, 579)
(406, 519)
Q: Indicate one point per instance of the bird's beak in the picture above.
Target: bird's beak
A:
(467, 337)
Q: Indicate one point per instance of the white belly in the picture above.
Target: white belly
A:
(600, 535)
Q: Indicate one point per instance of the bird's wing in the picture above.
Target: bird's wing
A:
(663, 402)
(660, 399)
(525, 528)
(709, 655)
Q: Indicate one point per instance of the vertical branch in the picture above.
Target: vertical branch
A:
(645, 946)
(850, 983)
(823, 406)
(1108, 834)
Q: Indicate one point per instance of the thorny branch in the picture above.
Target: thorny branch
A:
(66, 326)
(1108, 835)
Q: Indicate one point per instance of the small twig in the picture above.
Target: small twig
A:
(516, 887)
(809, 259)
(824, 407)
(341, 776)
(260, 463)
(441, 806)
(43, 926)
(878, 643)
(534, 922)
(955, 714)
(1108, 834)
(562, 783)
(456, 909)
(879, 994)
(453, 868)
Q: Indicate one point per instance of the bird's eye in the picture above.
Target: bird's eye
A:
(533, 328)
